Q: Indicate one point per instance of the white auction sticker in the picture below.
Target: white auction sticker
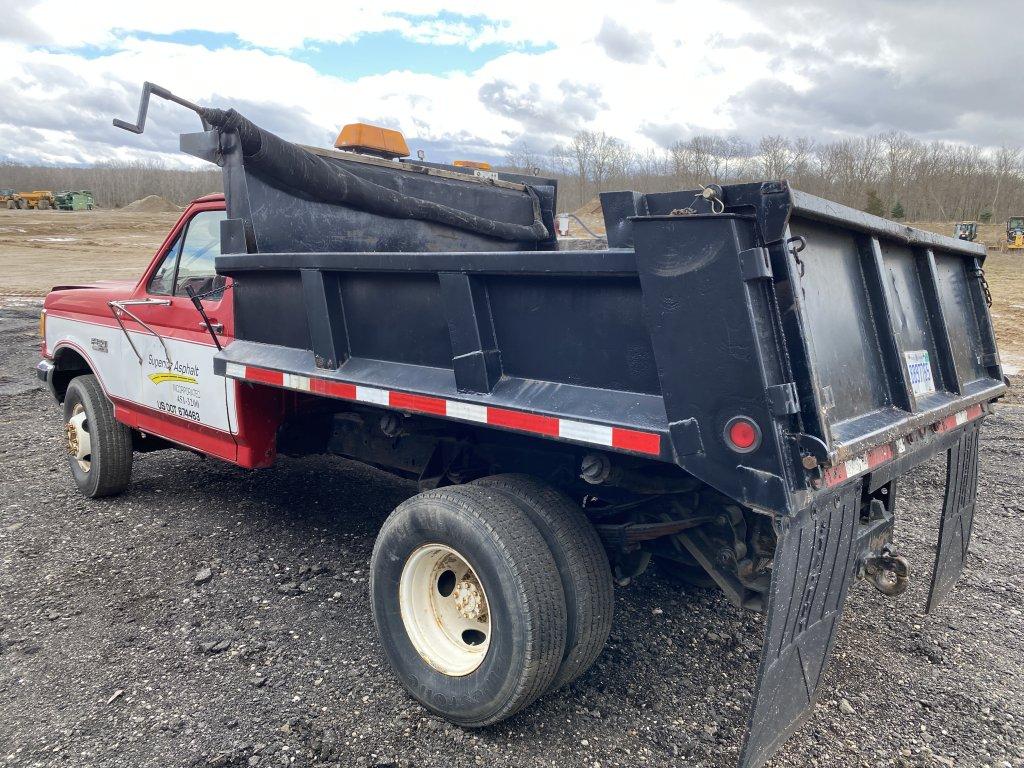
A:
(920, 366)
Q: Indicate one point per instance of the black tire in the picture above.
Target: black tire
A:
(43, 205)
(523, 596)
(110, 461)
(582, 565)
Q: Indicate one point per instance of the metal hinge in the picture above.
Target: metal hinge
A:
(783, 399)
(755, 264)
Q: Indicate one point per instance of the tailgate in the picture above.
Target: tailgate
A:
(893, 326)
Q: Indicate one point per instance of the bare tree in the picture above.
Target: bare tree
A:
(774, 157)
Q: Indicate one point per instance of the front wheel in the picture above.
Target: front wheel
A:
(99, 446)
(468, 604)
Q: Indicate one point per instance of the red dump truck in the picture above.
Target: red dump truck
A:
(734, 388)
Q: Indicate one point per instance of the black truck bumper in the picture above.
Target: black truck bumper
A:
(44, 370)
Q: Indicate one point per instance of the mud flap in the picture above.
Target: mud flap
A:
(957, 516)
(814, 564)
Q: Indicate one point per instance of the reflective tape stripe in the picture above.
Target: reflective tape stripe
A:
(291, 381)
(882, 454)
(466, 411)
(622, 438)
(633, 440)
(585, 433)
(373, 395)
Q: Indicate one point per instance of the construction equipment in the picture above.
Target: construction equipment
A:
(735, 387)
(10, 198)
(39, 199)
(1015, 233)
(81, 200)
(966, 230)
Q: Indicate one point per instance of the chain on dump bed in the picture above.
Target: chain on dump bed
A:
(980, 274)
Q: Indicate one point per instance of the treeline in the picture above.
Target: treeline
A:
(114, 184)
(889, 174)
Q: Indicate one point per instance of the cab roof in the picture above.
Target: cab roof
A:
(210, 198)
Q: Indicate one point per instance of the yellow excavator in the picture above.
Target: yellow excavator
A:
(1015, 233)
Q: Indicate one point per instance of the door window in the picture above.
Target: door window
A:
(200, 248)
(189, 260)
(162, 281)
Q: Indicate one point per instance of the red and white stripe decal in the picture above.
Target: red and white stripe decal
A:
(522, 421)
(884, 453)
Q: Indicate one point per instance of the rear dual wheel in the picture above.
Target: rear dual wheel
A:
(468, 604)
(582, 566)
(471, 600)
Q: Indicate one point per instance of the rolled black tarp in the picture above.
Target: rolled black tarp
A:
(310, 174)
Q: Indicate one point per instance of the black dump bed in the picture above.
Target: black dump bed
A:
(847, 339)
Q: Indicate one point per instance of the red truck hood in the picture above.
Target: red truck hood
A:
(88, 298)
(116, 285)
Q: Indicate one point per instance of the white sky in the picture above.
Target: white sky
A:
(644, 71)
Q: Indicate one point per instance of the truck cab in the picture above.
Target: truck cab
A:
(149, 348)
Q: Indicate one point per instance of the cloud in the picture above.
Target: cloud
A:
(17, 26)
(622, 44)
(927, 68)
(573, 107)
(820, 68)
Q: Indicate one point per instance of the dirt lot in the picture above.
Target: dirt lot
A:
(112, 655)
(41, 249)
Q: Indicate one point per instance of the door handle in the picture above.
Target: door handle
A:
(214, 326)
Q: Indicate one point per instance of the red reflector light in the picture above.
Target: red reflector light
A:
(742, 434)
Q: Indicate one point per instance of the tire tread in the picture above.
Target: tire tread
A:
(583, 566)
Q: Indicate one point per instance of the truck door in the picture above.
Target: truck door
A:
(185, 401)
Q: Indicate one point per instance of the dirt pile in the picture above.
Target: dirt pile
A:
(590, 208)
(152, 204)
(590, 214)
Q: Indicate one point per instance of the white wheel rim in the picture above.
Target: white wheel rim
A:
(444, 610)
(79, 442)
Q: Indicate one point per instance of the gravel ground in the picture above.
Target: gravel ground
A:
(213, 616)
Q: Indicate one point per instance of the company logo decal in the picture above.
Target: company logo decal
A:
(178, 378)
